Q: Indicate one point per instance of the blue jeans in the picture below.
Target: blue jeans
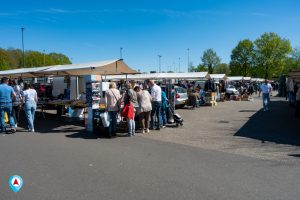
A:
(113, 122)
(292, 98)
(156, 107)
(131, 126)
(6, 107)
(266, 101)
(30, 108)
(163, 116)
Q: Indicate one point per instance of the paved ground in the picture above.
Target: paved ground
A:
(221, 153)
(240, 128)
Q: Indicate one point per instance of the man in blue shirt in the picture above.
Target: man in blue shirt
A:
(266, 89)
(7, 94)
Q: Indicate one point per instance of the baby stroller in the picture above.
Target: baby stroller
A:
(174, 118)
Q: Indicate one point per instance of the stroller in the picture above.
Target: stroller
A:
(174, 118)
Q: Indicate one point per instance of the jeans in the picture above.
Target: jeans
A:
(16, 113)
(131, 126)
(6, 107)
(266, 101)
(163, 116)
(156, 107)
(292, 98)
(30, 108)
(113, 123)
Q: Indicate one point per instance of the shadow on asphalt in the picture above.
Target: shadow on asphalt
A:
(294, 155)
(277, 125)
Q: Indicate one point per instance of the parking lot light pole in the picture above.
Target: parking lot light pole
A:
(159, 64)
(22, 31)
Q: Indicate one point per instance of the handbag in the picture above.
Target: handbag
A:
(118, 102)
(128, 111)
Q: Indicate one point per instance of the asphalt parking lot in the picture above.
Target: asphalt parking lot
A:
(232, 151)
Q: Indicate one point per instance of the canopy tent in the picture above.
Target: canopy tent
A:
(107, 67)
(218, 76)
(258, 79)
(159, 76)
(295, 75)
(95, 68)
(23, 72)
(238, 78)
(234, 78)
(247, 78)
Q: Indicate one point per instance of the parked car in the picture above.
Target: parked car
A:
(180, 95)
(231, 90)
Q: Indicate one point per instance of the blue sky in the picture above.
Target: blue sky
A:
(95, 30)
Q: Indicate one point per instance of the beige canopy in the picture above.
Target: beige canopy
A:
(295, 75)
(108, 67)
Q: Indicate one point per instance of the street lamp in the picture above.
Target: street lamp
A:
(179, 64)
(188, 50)
(44, 57)
(159, 64)
(121, 49)
(22, 30)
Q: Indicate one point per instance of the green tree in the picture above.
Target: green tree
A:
(4, 60)
(15, 58)
(222, 68)
(210, 59)
(59, 59)
(295, 58)
(242, 58)
(199, 68)
(271, 52)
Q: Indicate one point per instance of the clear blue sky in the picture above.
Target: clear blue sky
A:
(95, 30)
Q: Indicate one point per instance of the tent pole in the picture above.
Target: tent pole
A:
(77, 88)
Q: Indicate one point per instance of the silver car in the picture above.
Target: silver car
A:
(180, 95)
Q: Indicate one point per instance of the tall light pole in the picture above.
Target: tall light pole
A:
(159, 64)
(121, 49)
(179, 64)
(188, 50)
(44, 57)
(22, 30)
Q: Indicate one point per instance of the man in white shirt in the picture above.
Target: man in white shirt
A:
(156, 103)
(266, 89)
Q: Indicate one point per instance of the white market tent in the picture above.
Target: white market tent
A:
(159, 76)
(258, 79)
(116, 66)
(23, 72)
(218, 76)
(247, 78)
(234, 78)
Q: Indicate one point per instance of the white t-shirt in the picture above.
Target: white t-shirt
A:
(156, 93)
(29, 95)
(266, 88)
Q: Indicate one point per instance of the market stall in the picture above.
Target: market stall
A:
(91, 72)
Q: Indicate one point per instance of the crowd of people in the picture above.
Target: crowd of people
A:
(145, 104)
(15, 97)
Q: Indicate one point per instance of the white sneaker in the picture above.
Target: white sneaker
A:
(143, 131)
(147, 130)
(16, 125)
(32, 130)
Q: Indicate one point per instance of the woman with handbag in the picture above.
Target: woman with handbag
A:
(113, 107)
(145, 107)
(16, 102)
(130, 102)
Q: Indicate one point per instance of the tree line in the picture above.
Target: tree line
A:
(268, 57)
(13, 59)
